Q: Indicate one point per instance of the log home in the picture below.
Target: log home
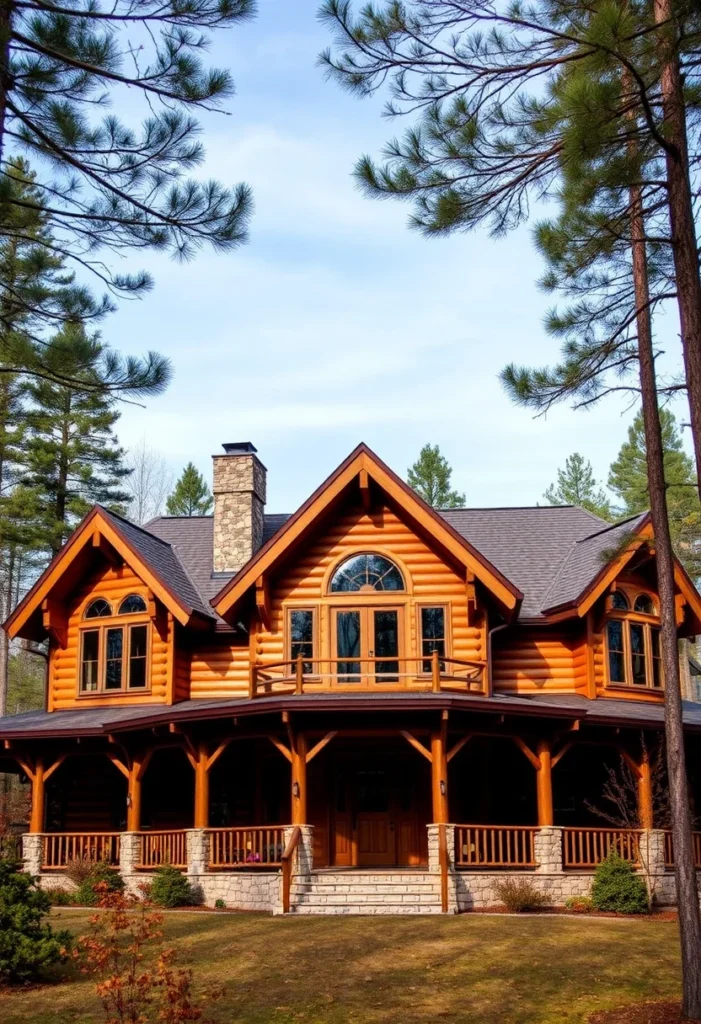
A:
(366, 706)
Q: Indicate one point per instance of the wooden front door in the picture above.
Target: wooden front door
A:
(379, 812)
(367, 644)
(374, 819)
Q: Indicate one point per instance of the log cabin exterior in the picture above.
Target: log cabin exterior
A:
(368, 705)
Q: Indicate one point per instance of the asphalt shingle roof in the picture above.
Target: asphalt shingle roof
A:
(551, 553)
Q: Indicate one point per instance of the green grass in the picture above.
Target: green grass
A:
(325, 970)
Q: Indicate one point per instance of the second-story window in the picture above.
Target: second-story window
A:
(114, 653)
(633, 642)
(300, 627)
(433, 635)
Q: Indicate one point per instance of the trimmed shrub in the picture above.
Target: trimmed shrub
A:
(617, 888)
(219, 904)
(100, 874)
(170, 888)
(579, 904)
(519, 895)
(27, 944)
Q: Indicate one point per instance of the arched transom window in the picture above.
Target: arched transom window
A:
(114, 655)
(366, 572)
(633, 641)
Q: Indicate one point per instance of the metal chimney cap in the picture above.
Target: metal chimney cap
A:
(239, 448)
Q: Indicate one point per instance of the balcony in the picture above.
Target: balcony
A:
(436, 674)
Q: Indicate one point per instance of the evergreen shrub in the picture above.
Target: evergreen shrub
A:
(170, 888)
(27, 944)
(617, 888)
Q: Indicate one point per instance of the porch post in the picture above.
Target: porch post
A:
(299, 780)
(36, 818)
(439, 777)
(545, 784)
(645, 809)
(134, 779)
(201, 815)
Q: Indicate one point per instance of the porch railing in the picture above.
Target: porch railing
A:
(58, 849)
(495, 846)
(669, 849)
(302, 675)
(246, 847)
(587, 847)
(159, 848)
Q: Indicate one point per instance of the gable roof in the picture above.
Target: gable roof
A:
(155, 561)
(364, 460)
(529, 545)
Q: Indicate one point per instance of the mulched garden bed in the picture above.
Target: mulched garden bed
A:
(663, 914)
(642, 1013)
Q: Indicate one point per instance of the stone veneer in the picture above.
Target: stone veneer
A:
(239, 483)
(371, 891)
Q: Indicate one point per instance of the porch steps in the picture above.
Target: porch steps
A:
(366, 892)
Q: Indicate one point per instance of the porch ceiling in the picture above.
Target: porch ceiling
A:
(102, 721)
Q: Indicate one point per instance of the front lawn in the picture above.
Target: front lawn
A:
(386, 970)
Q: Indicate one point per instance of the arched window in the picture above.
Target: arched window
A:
(98, 609)
(366, 572)
(133, 603)
(645, 605)
(633, 646)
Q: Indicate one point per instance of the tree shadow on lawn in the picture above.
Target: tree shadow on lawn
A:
(381, 970)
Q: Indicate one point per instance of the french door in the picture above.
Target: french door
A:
(367, 643)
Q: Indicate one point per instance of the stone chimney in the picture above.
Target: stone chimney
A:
(239, 501)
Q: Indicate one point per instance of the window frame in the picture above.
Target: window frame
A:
(306, 607)
(371, 592)
(419, 633)
(126, 622)
(647, 623)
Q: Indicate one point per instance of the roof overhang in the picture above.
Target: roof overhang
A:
(97, 533)
(363, 465)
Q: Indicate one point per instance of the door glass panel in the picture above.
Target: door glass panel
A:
(113, 660)
(432, 635)
(348, 646)
(372, 793)
(637, 650)
(386, 645)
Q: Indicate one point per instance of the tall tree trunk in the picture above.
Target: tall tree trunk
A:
(681, 216)
(685, 869)
(5, 84)
(7, 603)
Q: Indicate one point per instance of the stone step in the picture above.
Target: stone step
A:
(314, 896)
(388, 888)
(366, 908)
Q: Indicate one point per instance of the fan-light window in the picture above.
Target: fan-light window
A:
(366, 572)
(98, 609)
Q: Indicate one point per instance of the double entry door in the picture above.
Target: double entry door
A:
(367, 643)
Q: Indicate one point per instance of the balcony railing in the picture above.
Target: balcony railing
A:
(59, 849)
(494, 846)
(159, 848)
(456, 675)
(669, 849)
(246, 847)
(587, 847)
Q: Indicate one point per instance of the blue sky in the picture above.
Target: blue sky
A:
(336, 323)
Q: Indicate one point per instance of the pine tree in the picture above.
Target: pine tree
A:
(39, 297)
(430, 477)
(73, 458)
(108, 184)
(576, 485)
(191, 495)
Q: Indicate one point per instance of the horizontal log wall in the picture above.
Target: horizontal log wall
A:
(113, 584)
(218, 669)
(545, 659)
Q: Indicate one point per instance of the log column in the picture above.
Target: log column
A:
(201, 815)
(645, 809)
(439, 777)
(36, 818)
(298, 763)
(545, 783)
